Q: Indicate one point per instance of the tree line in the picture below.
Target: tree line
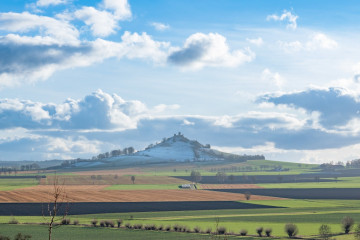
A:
(114, 153)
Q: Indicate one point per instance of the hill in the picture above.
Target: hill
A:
(177, 148)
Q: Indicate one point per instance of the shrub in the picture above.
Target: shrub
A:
(119, 222)
(176, 227)
(243, 232)
(150, 227)
(268, 232)
(128, 225)
(197, 229)
(139, 226)
(160, 228)
(111, 223)
(208, 231)
(13, 221)
(65, 221)
(325, 231)
(186, 229)
(347, 223)
(4, 237)
(247, 195)
(259, 231)
(221, 230)
(19, 236)
(76, 222)
(291, 229)
(357, 232)
(168, 228)
(94, 222)
(102, 224)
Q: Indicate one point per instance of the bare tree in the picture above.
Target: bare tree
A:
(57, 208)
(195, 176)
(247, 195)
(133, 179)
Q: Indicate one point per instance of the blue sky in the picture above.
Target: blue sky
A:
(279, 78)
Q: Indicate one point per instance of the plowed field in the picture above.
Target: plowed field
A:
(96, 194)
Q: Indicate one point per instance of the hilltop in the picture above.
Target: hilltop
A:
(177, 148)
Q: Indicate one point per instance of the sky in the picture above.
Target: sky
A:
(278, 78)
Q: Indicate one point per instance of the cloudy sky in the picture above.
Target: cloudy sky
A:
(279, 78)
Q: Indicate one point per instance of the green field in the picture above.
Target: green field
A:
(342, 182)
(7, 184)
(39, 232)
(308, 215)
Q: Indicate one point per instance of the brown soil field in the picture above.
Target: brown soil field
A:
(109, 180)
(96, 194)
(229, 186)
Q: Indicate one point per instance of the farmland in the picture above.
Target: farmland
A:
(153, 196)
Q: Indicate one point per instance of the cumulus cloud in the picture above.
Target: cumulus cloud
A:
(201, 50)
(100, 121)
(61, 30)
(320, 41)
(121, 8)
(317, 41)
(27, 59)
(160, 26)
(102, 23)
(286, 16)
(45, 3)
(98, 110)
(273, 78)
(335, 106)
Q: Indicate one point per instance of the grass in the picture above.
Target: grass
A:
(39, 232)
(143, 187)
(7, 184)
(308, 215)
(343, 182)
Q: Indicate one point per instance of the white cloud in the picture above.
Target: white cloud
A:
(144, 47)
(102, 23)
(201, 50)
(188, 123)
(160, 26)
(317, 41)
(163, 107)
(256, 41)
(61, 30)
(270, 151)
(274, 78)
(98, 110)
(121, 8)
(28, 59)
(320, 41)
(45, 3)
(289, 47)
(287, 15)
(70, 146)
